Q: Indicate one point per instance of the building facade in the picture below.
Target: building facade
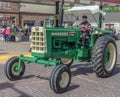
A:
(21, 13)
(9, 13)
(35, 13)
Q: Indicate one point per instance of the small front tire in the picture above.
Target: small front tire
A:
(10, 69)
(60, 79)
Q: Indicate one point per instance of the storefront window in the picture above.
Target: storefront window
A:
(29, 23)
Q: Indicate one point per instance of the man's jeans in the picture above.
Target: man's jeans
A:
(7, 38)
(84, 34)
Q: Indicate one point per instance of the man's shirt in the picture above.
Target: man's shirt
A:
(85, 27)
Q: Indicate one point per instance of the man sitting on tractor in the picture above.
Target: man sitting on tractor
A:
(85, 29)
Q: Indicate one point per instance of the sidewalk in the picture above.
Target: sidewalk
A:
(8, 50)
(4, 58)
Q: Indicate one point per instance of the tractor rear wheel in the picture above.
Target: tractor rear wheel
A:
(11, 69)
(67, 61)
(104, 56)
(60, 79)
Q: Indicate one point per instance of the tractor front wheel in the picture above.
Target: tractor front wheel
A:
(104, 56)
(11, 70)
(60, 79)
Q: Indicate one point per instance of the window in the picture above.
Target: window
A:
(29, 23)
(4, 5)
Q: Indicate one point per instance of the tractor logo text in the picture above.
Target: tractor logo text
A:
(64, 34)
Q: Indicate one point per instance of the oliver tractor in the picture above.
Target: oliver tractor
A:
(60, 47)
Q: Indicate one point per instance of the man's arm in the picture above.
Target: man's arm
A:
(82, 27)
(88, 26)
(85, 27)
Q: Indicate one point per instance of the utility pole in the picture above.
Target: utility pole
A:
(57, 13)
(100, 17)
(19, 13)
(61, 13)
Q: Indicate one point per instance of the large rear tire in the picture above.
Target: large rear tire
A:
(60, 79)
(104, 56)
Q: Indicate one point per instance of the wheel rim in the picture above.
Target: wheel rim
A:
(66, 60)
(64, 79)
(15, 71)
(110, 56)
(106, 55)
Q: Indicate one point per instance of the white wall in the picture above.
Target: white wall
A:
(116, 25)
(36, 8)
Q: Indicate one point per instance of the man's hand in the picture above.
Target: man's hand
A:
(82, 27)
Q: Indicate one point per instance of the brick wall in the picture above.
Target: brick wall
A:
(9, 7)
(34, 17)
(8, 18)
(9, 10)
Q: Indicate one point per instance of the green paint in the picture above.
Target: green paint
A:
(16, 69)
(106, 55)
(63, 43)
(112, 9)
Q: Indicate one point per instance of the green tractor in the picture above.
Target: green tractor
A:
(60, 47)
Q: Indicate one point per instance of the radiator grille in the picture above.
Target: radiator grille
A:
(39, 40)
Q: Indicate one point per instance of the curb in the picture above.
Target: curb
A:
(4, 58)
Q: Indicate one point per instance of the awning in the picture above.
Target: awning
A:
(85, 9)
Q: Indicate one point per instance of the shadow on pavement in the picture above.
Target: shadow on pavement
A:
(41, 77)
(86, 69)
(117, 70)
(72, 87)
(7, 85)
(28, 77)
(35, 76)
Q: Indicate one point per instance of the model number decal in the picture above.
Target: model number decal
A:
(64, 34)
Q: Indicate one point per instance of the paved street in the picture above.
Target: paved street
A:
(14, 48)
(35, 82)
(7, 50)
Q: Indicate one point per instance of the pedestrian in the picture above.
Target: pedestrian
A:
(8, 33)
(26, 29)
(13, 30)
(4, 34)
(13, 36)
